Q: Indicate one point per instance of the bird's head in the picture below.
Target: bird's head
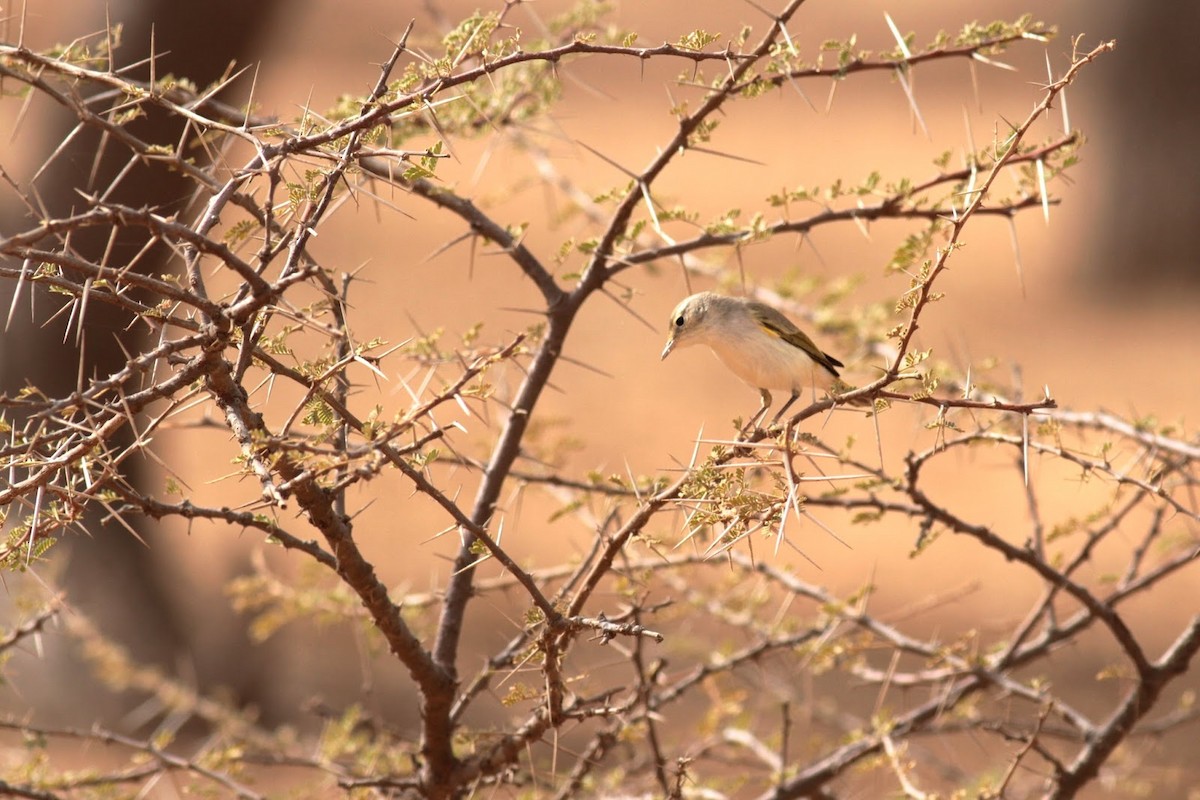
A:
(689, 322)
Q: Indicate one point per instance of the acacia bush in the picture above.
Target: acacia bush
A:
(678, 654)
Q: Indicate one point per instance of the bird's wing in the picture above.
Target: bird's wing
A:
(777, 324)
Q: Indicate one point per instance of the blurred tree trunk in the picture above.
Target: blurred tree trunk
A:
(1154, 99)
(111, 576)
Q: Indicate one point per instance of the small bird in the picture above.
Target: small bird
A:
(757, 343)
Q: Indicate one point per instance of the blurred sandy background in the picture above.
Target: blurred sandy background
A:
(1108, 316)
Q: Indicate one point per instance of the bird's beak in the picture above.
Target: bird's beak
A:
(668, 348)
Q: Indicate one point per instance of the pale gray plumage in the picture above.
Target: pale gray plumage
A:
(757, 343)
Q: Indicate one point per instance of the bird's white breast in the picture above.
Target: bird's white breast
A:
(765, 361)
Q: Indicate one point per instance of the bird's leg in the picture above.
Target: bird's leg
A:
(792, 399)
(762, 411)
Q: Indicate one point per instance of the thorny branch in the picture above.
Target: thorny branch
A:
(227, 322)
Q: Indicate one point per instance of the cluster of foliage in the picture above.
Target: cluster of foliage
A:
(676, 695)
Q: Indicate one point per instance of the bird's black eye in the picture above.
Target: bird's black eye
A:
(679, 322)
